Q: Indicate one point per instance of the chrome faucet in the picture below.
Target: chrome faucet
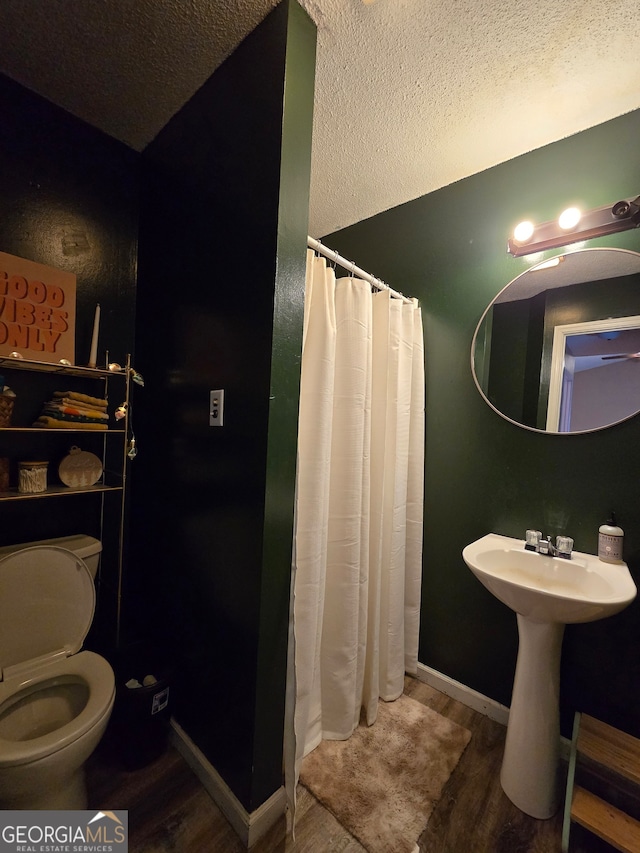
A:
(546, 546)
(535, 542)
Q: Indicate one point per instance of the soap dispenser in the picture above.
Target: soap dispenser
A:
(610, 540)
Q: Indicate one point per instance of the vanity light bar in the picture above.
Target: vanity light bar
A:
(598, 222)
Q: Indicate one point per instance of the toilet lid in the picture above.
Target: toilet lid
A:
(47, 601)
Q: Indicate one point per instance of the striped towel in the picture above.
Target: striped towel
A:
(57, 423)
(61, 406)
(82, 398)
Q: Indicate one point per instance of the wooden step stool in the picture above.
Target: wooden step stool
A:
(613, 758)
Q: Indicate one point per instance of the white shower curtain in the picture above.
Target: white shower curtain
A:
(358, 528)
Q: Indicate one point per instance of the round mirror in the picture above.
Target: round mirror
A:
(558, 349)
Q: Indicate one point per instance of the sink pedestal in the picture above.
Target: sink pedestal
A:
(547, 593)
(530, 764)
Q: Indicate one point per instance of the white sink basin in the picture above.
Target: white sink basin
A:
(549, 589)
(546, 593)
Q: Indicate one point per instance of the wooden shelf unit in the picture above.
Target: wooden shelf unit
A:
(616, 755)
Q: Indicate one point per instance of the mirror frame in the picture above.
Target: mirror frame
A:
(479, 327)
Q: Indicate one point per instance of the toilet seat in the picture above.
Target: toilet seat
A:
(87, 667)
(47, 602)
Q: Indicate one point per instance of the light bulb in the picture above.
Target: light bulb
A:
(523, 231)
(569, 218)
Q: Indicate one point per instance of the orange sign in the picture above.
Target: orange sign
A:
(37, 310)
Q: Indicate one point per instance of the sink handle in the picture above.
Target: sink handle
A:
(532, 540)
(564, 546)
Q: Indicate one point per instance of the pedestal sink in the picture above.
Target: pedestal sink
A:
(546, 593)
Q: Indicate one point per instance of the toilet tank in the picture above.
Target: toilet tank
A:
(86, 547)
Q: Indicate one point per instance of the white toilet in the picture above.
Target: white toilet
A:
(55, 700)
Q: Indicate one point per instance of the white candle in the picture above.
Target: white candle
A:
(94, 341)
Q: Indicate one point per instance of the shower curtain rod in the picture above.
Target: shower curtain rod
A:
(317, 246)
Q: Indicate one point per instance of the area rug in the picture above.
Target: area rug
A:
(384, 782)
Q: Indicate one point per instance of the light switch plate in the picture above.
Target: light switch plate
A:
(216, 408)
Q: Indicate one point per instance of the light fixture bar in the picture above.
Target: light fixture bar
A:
(609, 219)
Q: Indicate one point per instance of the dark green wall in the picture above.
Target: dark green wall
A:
(69, 199)
(220, 295)
(482, 473)
(508, 364)
(223, 226)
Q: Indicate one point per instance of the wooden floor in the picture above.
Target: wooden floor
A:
(170, 812)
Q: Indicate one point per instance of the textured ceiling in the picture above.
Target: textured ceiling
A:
(411, 95)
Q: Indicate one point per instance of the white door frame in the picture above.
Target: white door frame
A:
(560, 335)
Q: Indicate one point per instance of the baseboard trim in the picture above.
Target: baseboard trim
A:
(474, 700)
(469, 697)
(249, 826)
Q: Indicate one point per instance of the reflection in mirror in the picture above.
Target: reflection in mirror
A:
(558, 349)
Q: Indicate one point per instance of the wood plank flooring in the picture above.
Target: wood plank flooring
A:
(170, 812)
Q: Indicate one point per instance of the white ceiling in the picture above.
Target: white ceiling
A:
(411, 95)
